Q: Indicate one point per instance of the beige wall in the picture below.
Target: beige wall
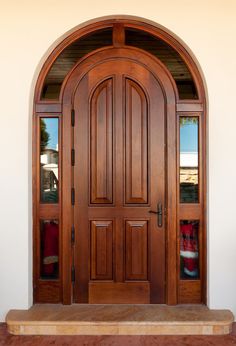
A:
(28, 30)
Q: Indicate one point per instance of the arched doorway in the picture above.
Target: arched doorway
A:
(119, 202)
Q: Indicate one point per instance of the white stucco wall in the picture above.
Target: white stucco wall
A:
(28, 29)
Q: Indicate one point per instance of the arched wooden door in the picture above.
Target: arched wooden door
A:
(119, 130)
(119, 181)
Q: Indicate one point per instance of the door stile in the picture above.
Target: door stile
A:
(119, 156)
(67, 208)
(171, 212)
(82, 147)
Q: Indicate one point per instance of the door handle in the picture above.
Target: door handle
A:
(159, 214)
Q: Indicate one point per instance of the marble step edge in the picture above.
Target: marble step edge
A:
(120, 329)
(114, 323)
(23, 325)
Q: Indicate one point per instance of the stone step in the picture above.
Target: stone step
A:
(85, 319)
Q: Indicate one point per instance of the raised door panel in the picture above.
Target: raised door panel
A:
(136, 254)
(101, 250)
(101, 144)
(136, 144)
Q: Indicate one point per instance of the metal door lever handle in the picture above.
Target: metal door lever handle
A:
(159, 213)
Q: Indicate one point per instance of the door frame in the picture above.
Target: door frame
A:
(175, 108)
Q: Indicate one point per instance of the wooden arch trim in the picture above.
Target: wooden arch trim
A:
(62, 291)
(144, 58)
(119, 23)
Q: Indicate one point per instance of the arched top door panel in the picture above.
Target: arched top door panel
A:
(117, 55)
(120, 32)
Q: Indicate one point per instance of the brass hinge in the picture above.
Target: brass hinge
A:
(73, 117)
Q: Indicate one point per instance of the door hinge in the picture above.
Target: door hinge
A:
(72, 157)
(73, 235)
(73, 117)
(73, 274)
(73, 196)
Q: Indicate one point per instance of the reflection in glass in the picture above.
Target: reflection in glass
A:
(189, 160)
(49, 160)
(49, 240)
(189, 249)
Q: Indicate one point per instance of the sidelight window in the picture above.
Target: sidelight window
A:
(189, 174)
(49, 160)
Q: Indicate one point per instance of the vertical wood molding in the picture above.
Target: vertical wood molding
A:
(172, 227)
(118, 35)
(67, 209)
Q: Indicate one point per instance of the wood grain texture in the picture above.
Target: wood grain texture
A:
(48, 291)
(119, 293)
(118, 35)
(189, 292)
(136, 250)
(101, 139)
(127, 22)
(48, 107)
(147, 177)
(101, 250)
(136, 144)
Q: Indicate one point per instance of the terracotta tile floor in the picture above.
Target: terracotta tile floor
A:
(7, 339)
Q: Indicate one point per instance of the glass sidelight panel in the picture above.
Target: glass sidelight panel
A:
(189, 249)
(49, 249)
(49, 160)
(189, 170)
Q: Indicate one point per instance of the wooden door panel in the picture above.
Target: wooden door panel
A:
(119, 292)
(101, 144)
(136, 146)
(136, 250)
(101, 250)
(119, 176)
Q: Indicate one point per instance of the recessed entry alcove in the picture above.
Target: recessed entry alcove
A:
(119, 173)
